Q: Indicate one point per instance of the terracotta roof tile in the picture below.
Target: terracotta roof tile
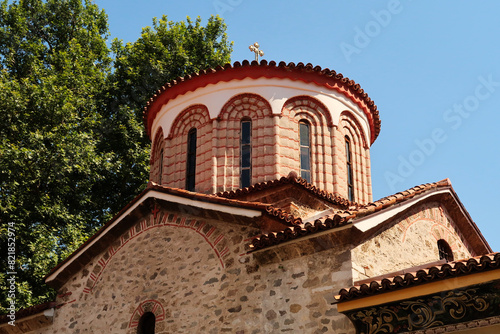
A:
(284, 218)
(432, 274)
(399, 197)
(303, 72)
(291, 179)
(339, 218)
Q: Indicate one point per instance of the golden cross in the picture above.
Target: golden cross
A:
(255, 48)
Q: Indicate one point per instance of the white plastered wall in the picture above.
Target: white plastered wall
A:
(276, 91)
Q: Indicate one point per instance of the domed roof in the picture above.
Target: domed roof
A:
(239, 71)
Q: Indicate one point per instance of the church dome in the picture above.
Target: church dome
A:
(238, 125)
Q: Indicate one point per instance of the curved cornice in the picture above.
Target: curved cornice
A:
(254, 70)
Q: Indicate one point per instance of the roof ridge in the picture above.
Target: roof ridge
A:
(340, 217)
(292, 178)
(297, 231)
(401, 196)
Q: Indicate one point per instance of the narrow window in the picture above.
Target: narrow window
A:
(305, 151)
(160, 167)
(246, 153)
(350, 176)
(191, 160)
(147, 323)
(445, 251)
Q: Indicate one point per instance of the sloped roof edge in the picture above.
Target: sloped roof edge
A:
(184, 197)
(458, 268)
(383, 210)
(292, 178)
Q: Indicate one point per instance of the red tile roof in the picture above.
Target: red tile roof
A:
(399, 197)
(291, 179)
(336, 220)
(343, 217)
(238, 71)
(278, 215)
(432, 274)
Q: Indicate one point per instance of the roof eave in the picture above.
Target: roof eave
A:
(81, 256)
(300, 72)
(387, 214)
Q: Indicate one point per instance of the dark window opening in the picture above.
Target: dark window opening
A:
(246, 153)
(350, 176)
(191, 160)
(160, 167)
(147, 323)
(445, 252)
(305, 151)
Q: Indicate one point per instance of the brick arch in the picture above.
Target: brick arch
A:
(350, 123)
(310, 105)
(156, 160)
(440, 231)
(245, 105)
(441, 227)
(227, 169)
(150, 305)
(212, 235)
(194, 116)
(318, 116)
(157, 143)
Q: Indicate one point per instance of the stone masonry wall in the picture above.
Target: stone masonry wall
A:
(195, 276)
(410, 241)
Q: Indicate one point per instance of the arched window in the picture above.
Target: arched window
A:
(160, 167)
(191, 160)
(305, 150)
(147, 323)
(246, 153)
(350, 175)
(445, 251)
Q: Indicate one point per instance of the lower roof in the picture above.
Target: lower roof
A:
(489, 263)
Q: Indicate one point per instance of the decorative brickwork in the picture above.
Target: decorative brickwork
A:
(441, 227)
(152, 306)
(275, 147)
(157, 154)
(416, 232)
(213, 237)
(196, 116)
(310, 110)
(268, 258)
(168, 268)
(349, 126)
(227, 141)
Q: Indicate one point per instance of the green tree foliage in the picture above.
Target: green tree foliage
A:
(54, 63)
(72, 146)
(163, 53)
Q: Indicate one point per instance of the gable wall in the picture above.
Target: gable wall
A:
(197, 278)
(410, 241)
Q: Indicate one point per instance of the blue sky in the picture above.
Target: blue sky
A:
(432, 68)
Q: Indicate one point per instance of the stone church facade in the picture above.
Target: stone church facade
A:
(259, 218)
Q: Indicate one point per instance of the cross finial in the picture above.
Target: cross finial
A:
(255, 48)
